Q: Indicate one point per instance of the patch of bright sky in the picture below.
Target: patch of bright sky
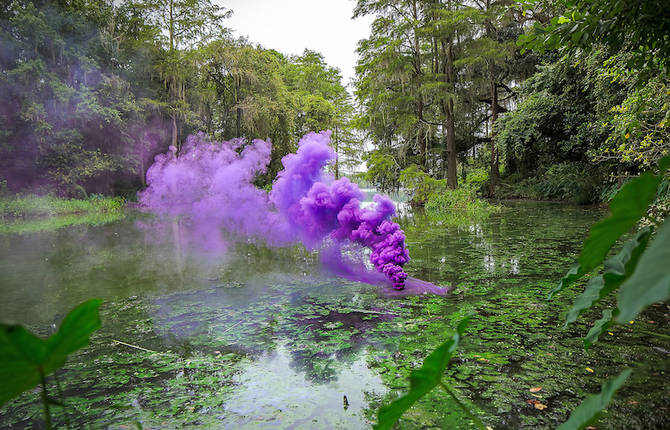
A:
(290, 26)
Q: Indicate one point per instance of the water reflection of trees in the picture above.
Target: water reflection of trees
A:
(521, 240)
(323, 336)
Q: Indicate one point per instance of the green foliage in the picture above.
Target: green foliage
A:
(426, 74)
(589, 409)
(599, 328)
(640, 26)
(557, 129)
(25, 359)
(23, 225)
(461, 203)
(419, 185)
(382, 170)
(69, 112)
(610, 105)
(617, 270)
(35, 206)
(477, 179)
(576, 182)
(650, 283)
(639, 125)
(627, 207)
(639, 272)
(422, 380)
(255, 92)
(94, 91)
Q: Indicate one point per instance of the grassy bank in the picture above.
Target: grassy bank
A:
(32, 206)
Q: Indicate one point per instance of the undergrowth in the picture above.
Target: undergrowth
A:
(461, 203)
(37, 206)
(565, 181)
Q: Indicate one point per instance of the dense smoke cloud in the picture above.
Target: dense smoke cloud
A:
(211, 185)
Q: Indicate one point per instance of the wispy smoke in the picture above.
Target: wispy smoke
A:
(211, 185)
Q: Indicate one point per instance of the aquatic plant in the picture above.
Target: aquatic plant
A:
(426, 378)
(211, 184)
(26, 360)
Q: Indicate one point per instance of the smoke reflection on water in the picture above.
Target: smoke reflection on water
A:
(274, 308)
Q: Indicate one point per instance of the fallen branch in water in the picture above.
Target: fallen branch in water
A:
(232, 326)
(135, 346)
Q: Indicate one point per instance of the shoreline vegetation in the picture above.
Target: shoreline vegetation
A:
(32, 213)
(33, 206)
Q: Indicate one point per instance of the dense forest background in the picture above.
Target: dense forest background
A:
(551, 100)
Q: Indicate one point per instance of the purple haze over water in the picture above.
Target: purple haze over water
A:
(211, 184)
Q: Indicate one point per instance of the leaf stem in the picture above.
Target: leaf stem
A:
(463, 406)
(62, 399)
(45, 400)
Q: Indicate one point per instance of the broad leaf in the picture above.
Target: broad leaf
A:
(617, 270)
(573, 274)
(599, 327)
(663, 165)
(627, 207)
(25, 357)
(588, 411)
(422, 380)
(650, 283)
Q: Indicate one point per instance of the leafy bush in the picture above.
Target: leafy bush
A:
(565, 181)
(639, 125)
(460, 204)
(419, 185)
(477, 179)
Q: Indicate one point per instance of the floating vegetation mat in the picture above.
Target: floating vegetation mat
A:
(262, 338)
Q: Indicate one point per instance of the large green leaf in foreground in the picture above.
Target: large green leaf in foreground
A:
(422, 380)
(26, 358)
(650, 283)
(592, 405)
(617, 270)
(627, 207)
(599, 327)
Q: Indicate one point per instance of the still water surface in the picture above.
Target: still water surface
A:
(252, 337)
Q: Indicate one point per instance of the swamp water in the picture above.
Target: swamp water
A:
(262, 338)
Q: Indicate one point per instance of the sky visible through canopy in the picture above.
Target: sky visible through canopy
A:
(290, 26)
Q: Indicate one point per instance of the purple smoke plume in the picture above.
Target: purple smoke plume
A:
(211, 184)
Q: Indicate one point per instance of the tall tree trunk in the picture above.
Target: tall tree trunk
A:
(238, 118)
(143, 175)
(452, 178)
(171, 25)
(238, 122)
(173, 90)
(448, 111)
(420, 138)
(494, 175)
(337, 156)
(175, 132)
